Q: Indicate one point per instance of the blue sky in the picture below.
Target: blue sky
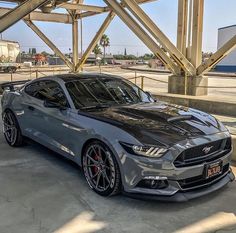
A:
(218, 13)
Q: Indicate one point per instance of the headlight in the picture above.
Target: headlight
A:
(148, 151)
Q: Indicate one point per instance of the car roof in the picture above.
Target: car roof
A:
(75, 77)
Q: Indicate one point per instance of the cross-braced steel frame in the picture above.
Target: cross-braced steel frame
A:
(183, 59)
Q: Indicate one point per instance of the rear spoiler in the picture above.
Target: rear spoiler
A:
(11, 85)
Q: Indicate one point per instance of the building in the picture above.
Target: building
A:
(55, 61)
(9, 51)
(92, 59)
(228, 64)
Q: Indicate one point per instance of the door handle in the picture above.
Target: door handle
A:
(31, 108)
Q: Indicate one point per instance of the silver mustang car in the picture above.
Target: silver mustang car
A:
(124, 139)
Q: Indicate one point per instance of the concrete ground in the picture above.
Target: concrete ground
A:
(40, 192)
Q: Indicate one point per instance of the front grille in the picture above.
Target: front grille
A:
(200, 181)
(196, 155)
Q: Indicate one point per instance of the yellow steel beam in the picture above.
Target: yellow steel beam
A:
(90, 13)
(75, 43)
(18, 13)
(190, 22)
(137, 29)
(154, 30)
(182, 26)
(45, 17)
(49, 43)
(82, 7)
(217, 56)
(95, 40)
(197, 30)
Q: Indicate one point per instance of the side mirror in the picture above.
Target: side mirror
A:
(149, 94)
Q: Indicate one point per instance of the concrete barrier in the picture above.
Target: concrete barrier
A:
(215, 107)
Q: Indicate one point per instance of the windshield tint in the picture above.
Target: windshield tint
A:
(105, 91)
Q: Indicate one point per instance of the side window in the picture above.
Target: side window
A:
(32, 89)
(47, 90)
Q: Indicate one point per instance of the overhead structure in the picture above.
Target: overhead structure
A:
(19, 12)
(184, 60)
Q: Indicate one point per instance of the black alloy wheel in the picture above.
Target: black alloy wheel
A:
(11, 129)
(101, 169)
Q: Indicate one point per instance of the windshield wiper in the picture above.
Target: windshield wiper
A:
(99, 106)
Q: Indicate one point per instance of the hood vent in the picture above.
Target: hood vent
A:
(180, 118)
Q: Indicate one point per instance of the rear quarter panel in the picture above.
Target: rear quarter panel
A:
(11, 100)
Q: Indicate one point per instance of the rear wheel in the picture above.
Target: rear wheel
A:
(11, 129)
(101, 169)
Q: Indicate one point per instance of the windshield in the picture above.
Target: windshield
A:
(93, 92)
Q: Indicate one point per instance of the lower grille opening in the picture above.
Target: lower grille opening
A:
(199, 181)
(153, 184)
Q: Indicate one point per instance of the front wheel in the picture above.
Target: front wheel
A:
(101, 169)
(11, 129)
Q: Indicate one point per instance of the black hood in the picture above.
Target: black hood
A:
(159, 123)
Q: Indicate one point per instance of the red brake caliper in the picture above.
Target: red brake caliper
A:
(95, 169)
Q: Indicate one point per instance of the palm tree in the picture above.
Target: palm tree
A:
(97, 50)
(104, 42)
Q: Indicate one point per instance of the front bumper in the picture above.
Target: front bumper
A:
(181, 196)
(184, 183)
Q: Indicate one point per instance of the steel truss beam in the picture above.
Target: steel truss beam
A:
(95, 40)
(19, 12)
(75, 33)
(197, 30)
(88, 14)
(75, 42)
(83, 7)
(153, 29)
(182, 26)
(100, 32)
(137, 29)
(217, 56)
(106, 9)
(49, 43)
(90, 8)
(39, 16)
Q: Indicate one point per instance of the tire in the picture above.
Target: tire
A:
(101, 169)
(11, 129)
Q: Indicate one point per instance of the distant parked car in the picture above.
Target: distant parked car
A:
(123, 138)
(140, 62)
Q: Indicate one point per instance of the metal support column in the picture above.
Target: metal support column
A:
(75, 41)
(182, 26)
(190, 24)
(197, 30)
(19, 12)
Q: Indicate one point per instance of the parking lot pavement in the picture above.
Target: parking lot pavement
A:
(40, 192)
